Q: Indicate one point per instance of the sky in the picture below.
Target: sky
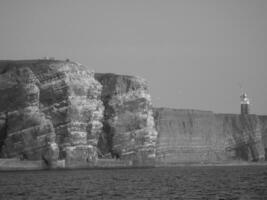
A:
(194, 54)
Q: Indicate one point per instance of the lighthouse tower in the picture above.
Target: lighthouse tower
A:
(244, 104)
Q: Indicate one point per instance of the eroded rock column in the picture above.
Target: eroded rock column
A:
(85, 112)
(129, 131)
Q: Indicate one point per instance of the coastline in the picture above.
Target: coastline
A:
(19, 165)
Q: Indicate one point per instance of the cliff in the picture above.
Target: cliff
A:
(49, 110)
(129, 131)
(263, 122)
(192, 136)
(56, 110)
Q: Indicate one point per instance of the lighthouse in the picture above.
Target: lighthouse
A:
(244, 104)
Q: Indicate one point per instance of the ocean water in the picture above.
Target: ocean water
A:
(238, 182)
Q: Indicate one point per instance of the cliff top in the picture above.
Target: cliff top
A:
(183, 110)
(38, 63)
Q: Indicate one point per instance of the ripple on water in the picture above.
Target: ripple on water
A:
(214, 183)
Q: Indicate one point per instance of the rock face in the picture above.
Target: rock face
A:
(263, 121)
(60, 110)
(191, 136)
(52, 110)
(129, 131)
(49, 109)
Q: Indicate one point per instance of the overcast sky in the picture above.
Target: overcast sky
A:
(194, 54)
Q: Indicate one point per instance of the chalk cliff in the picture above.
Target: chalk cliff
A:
(192, 136)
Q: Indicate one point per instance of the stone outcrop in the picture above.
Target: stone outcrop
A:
(192, 136)
(49, 109)
(129, 131)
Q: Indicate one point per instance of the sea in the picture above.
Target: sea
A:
(213, 182)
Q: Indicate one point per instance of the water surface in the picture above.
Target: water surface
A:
(238, 182)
